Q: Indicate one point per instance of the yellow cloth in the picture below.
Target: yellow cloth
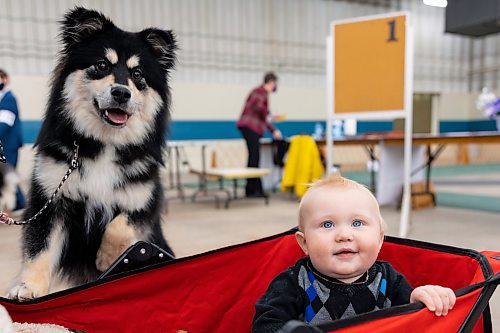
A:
(303, 165)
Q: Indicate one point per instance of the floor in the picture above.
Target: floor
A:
(198, 227)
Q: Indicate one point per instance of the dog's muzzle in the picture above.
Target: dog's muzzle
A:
(115, 116)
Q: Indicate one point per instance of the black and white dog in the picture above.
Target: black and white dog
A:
(110, 96)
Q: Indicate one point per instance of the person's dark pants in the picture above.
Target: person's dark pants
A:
(254, 185)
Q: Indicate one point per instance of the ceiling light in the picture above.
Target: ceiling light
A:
(436, 3)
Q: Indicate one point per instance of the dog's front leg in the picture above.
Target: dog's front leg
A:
(118, 236)
(34, 278)
(39, 261)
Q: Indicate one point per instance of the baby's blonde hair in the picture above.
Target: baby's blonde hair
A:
(335, 181)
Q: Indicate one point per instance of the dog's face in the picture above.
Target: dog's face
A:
(114, 82)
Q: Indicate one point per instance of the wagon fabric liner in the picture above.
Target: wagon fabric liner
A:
(216, 292)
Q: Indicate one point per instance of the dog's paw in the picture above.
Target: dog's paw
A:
(105, 257)
(23, 292)
(109, 252)
(118, 237)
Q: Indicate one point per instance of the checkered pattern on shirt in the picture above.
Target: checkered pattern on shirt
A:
(326, 304)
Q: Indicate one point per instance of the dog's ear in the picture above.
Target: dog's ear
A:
(80, 23)
(163, 45)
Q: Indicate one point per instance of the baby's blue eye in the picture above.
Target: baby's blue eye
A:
(327, 224)
(357, 223)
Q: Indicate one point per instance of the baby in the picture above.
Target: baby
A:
(341, 232)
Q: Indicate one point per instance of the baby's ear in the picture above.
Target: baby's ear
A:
(301, 239)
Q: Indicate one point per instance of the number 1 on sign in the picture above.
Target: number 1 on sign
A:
(392, 31)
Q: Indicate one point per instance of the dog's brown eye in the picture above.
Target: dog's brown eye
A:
(137, 74)
(102, 66)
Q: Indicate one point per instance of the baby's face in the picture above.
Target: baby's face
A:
(341, 231)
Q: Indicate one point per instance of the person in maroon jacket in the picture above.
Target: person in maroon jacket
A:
(252, 124)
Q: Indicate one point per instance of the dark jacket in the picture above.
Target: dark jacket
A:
(10, 126)
(302, 293)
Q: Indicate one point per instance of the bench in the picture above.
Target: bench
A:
(221, 174)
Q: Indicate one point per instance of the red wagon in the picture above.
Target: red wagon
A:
(216, 292)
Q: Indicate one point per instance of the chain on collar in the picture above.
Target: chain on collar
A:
(5, 218)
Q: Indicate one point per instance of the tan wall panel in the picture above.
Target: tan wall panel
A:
(369, 65)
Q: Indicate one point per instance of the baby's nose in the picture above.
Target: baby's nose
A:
(343, 234)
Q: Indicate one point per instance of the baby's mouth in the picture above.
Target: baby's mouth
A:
(345, 253)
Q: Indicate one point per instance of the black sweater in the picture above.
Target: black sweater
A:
(302, 293)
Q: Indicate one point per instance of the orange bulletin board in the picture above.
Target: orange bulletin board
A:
(369, 65)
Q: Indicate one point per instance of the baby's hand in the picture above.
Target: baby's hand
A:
(437, 299)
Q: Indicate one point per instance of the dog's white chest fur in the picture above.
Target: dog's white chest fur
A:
(99, 181)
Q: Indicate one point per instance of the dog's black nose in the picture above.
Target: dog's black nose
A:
(120, 94)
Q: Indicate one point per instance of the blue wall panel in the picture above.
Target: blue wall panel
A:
(466, 126)
(213, 130)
